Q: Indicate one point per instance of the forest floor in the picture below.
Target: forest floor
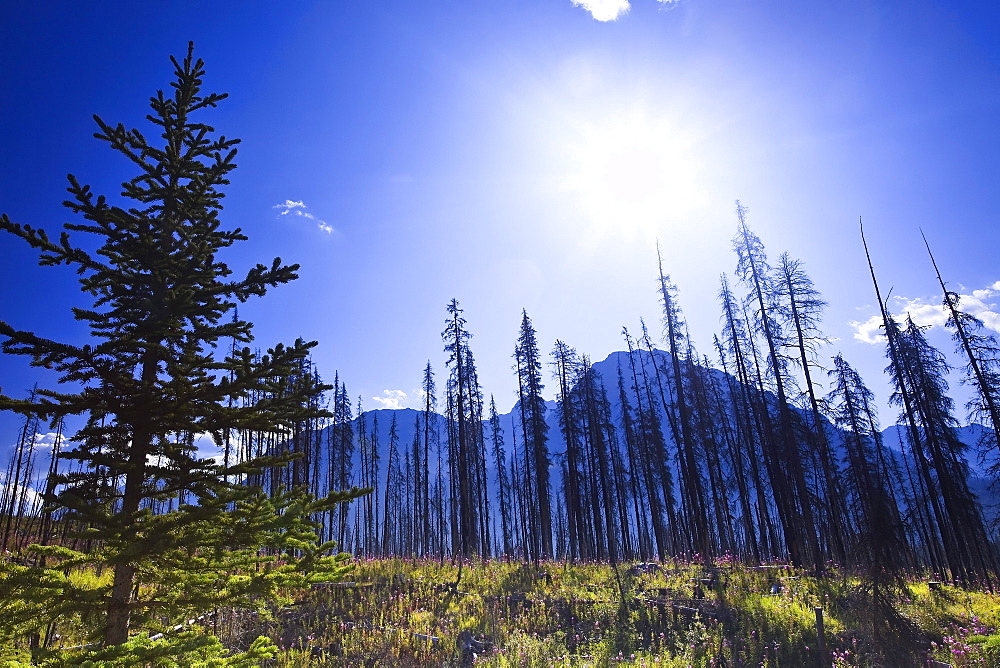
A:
(423, 612)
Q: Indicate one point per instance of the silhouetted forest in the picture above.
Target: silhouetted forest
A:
(760, 450)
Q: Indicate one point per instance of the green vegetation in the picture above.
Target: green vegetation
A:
(418, 612)
(154, 531)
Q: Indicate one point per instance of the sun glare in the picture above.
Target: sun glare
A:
(631, 173)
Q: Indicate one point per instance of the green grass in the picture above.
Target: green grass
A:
(407, 612)
(413, 612)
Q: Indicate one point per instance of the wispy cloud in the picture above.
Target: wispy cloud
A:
(298, 208)
(391, 399)
(604, 10)
(930, 312)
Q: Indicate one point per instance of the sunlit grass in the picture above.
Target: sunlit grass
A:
(415, 612)
(585, 614)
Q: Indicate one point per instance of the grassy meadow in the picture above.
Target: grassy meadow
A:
(425, 612)
(498, 613)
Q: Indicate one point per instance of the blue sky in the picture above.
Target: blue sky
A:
(524, 154)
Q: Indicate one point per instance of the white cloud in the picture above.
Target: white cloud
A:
(604, 10)
(925, 313)
(298, 208)
(611, 10)
(289, 206)
(46, 441)
(991, 319)
(391, 399)
(930, 312)
(869, 331)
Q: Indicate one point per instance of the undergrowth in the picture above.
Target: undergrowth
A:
(425, 612)
(500, 613)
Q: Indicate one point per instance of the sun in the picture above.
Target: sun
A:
(630, 173)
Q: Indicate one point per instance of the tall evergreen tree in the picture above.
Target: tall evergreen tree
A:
(340, 457)
(638, 478)
(795, 503)
(650, 450)
(503, 480)
(982, 368)
(534, 444)
(753, 442)
(955, 535)
(601, 444)
(711, 426)
(393, 476)
(940, 454)
(431, 437)
(466, 439)
(564, 361)
(150, 379)
(477, 429)
(881, 537)
(421, 466)
(801, 306)
(692, 494)
(366, 514)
